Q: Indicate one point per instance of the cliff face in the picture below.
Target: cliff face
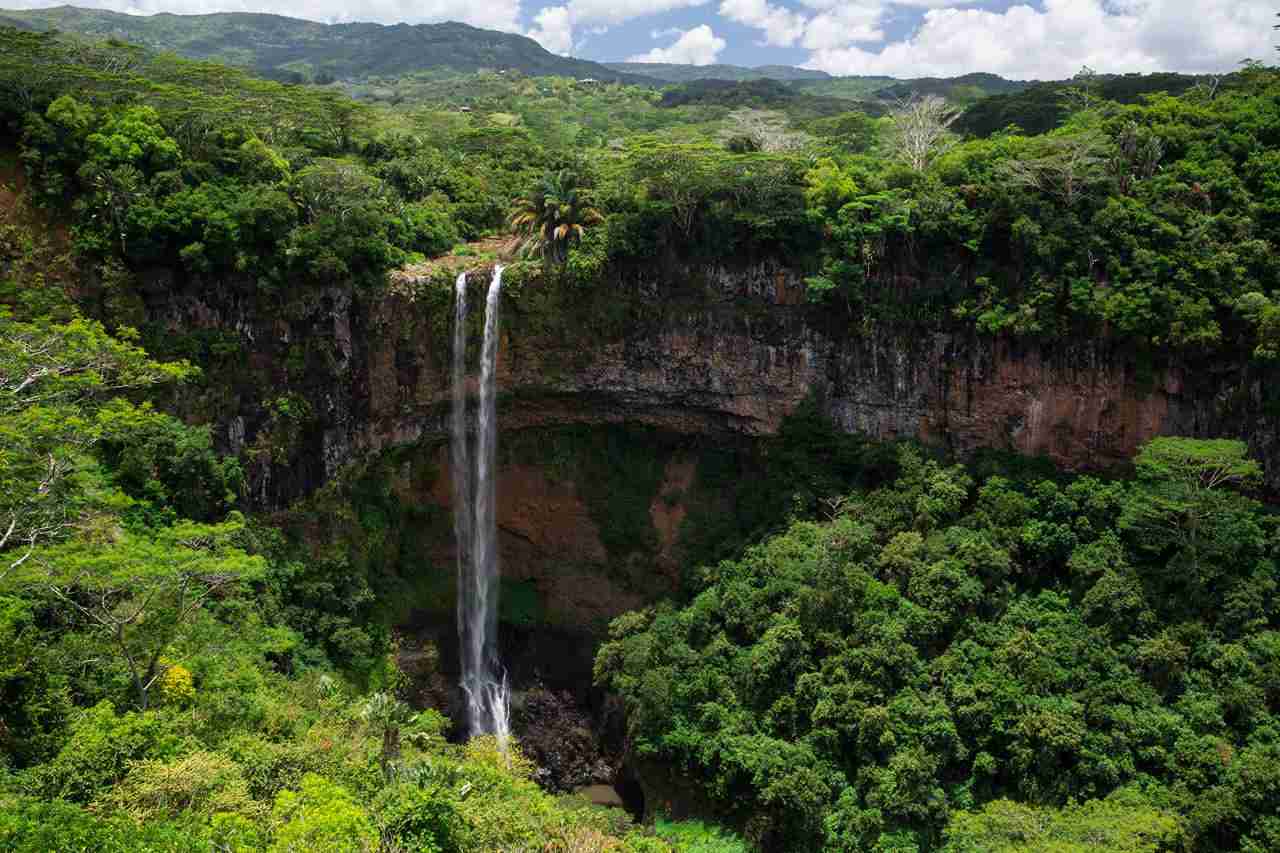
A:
(736, 351)
(690, 357)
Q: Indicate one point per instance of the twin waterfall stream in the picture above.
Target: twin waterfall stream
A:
(475, 524)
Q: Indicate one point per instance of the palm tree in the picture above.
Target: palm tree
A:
(386, 714)
(552, 217)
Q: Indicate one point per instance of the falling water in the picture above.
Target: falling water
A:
(476, 526)
(463, 509)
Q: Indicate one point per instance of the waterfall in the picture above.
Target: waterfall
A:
(475, 522)
(462, 475)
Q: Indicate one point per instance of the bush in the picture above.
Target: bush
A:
(1125, 822)
(420, 818)
(201, 783)
(321, 816)
(100, 749)
(32, 826)
(430, 228)
(267, 767)
(693, 836)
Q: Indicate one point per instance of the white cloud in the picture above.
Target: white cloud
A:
(842, 25)
(492, 14)
(553, 29)
(1053, 42)
(837, 24)
(556, 31)
(781, 26)
(619, 11)
(698, 46)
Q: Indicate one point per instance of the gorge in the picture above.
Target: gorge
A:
(702, 354)
(479, 460)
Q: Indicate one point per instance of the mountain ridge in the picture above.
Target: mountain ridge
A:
(300, 50)
(297, 50)
(674, 72)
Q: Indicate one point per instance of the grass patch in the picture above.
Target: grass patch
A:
(694, 836)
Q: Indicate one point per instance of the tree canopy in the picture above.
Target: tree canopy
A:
(893, 677)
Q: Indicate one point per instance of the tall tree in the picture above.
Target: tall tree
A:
(138, 591)
(1063, 166)
(553, 217)
(57, 384)
(1185, 511)
(922, 129)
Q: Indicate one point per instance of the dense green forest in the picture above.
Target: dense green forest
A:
(944, 659)
(884, 650)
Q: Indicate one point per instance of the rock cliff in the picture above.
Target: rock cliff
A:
(712, 355)
(735, 351)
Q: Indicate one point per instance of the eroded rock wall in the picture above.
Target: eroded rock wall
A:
(707, 356)
(694, 350)
(736, 351)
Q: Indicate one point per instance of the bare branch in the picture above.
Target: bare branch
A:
(922, 129)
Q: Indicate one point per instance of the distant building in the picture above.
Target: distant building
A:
(589, 81)
(464, 109)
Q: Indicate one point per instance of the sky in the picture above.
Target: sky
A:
(1019, 39)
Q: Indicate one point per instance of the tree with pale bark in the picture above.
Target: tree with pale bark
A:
(1065, 166)
(60, 393)
(922, 129)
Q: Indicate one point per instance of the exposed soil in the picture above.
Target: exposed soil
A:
(473, 255)
(668, 509)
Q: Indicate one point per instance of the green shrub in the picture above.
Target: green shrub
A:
(430, 228)
(268, 767)
(201, 783)
(694, 836)
(321, 815)
(33, 826)
(420, 818)
(1125, 822)
(101, 746)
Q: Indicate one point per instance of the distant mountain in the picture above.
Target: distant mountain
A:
(293, 49)
(766, 95)
(1040, 107)
(967, 87)
(964, 89)
(674, 73)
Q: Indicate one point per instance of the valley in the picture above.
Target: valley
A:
(525, 453)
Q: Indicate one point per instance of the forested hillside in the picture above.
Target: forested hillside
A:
(221, 614)
(295, 50)
(673, 73)
(945, 659)
(1042, 107)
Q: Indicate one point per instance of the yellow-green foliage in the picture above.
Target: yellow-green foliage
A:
(177, 685)
(694, 836)
(485, 750)
(1123, 823)
(202, 783)
(588, 840)
(321, 816)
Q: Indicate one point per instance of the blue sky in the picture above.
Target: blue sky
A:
(744, 44)
(1046, 39)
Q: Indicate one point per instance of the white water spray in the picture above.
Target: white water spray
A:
(475, 523)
